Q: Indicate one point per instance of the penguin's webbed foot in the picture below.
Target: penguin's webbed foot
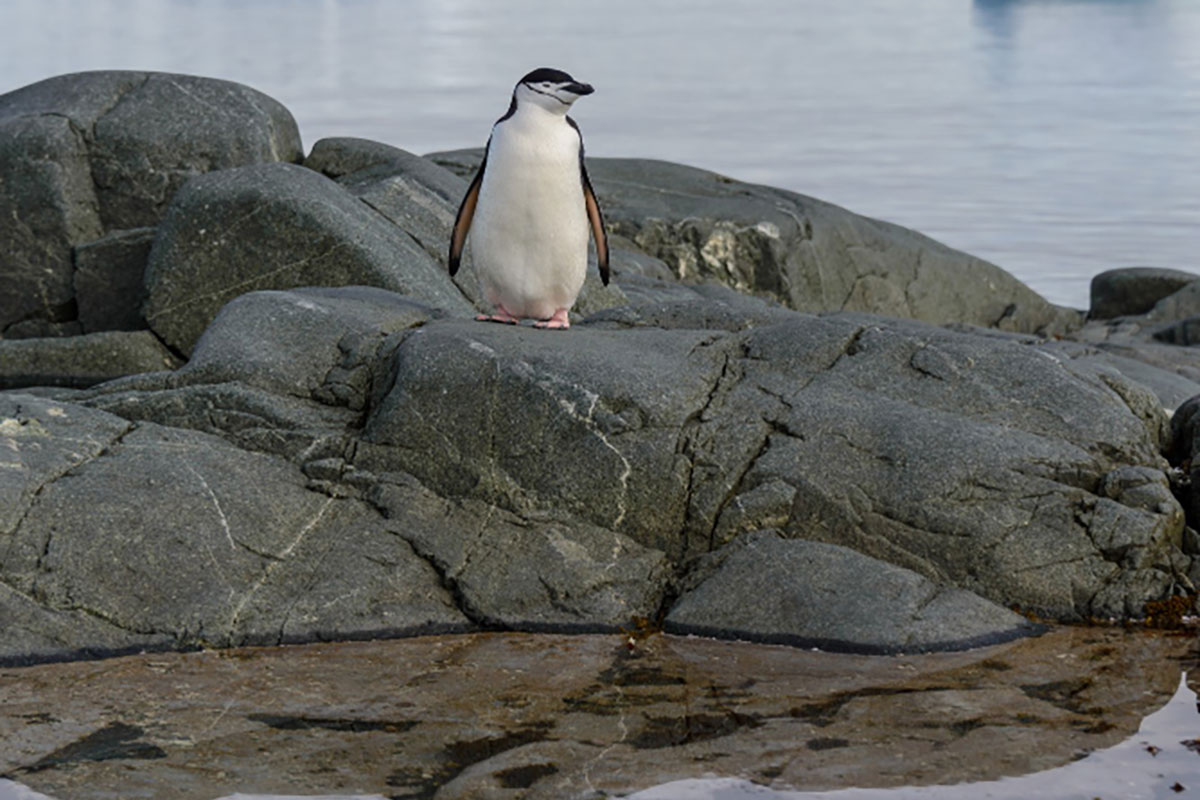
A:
(559, 322)
(501, 315)
(497, 318)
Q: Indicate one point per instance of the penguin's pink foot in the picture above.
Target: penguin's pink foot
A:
(559, 322)
(500, 316)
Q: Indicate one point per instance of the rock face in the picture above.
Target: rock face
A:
(132, 536)
(322, 442)
(807, 254)
(951, 455)
(345, 454)
(765, 587)
(275, 226)
(1134, 290)
(87, 154)
(79, 361)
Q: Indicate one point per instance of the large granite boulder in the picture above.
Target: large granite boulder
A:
(86, 154)
(977, 462)
(805, 253)
(275, 226)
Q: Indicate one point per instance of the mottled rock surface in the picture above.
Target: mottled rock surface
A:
(95, 152)
(275, 226)
(762, 587)
(79, 361)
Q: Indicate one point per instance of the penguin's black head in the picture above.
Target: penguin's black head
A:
(552, 89)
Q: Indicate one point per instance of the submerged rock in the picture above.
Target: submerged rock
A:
(546, 717)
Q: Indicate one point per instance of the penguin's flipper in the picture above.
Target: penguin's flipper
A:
(597, 221)
(462, 223)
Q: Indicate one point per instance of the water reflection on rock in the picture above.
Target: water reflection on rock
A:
(517, 715)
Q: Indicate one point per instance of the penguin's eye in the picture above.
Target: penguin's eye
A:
(545, 84)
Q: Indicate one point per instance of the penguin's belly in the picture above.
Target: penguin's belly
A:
(529, 237)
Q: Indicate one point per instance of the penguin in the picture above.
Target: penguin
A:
(530, 206)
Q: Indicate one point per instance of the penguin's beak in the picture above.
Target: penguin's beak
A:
(579, 88)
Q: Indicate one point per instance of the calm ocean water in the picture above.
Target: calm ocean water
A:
(1056, 138)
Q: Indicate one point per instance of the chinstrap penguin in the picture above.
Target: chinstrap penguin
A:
(530, 206)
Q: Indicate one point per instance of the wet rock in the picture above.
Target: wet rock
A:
(546, 717)
(1134, 290)
(807, 254)
(79, 361)
(275, 226)
(762, 587)
(93, 152)
(109, 280)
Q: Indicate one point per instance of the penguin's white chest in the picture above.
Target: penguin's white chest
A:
(529, 237)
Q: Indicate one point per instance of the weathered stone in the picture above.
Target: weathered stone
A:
(248, 417)
(109, 280)
(91, 152)
(178, 537)
(973, 461)
(593, 425)
(308, 342)
(809, 255)
(47, 204)
(78, 361)
(762, 587)
(526, 575)
(275, 226)
(1134, 290)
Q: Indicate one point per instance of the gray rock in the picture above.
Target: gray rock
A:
(1172, 376)
(972, 461)
(79, 361)
(309, 342)
(510, 572)
(174, 536)
(590, 424)
(411, 192)
(250, 418)
(422, 199)
(109, 285)
(807, 254)
(275, 226)
(1134, 290)
(92, 152)
(763, 587)
(47, 204)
